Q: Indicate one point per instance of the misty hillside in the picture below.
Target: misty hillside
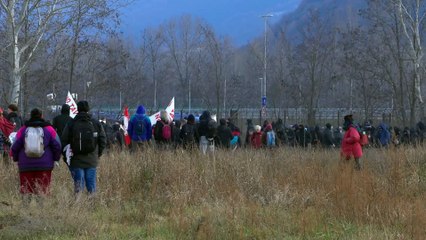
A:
(337, 13)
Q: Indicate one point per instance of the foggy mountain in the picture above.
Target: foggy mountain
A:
(337, 13)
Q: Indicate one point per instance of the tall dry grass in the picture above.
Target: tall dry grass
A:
(281, 194)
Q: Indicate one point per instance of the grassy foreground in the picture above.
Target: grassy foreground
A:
(281, 194)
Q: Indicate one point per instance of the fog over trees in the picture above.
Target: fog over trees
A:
(363, 54)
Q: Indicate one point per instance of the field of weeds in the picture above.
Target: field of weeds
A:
(280, 194)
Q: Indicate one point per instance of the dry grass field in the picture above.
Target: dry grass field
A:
(281, 194)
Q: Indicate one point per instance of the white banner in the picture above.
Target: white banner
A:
(170, 110)
(73, 106)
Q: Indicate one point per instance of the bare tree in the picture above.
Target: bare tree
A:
(412, 15)
(43, 15)
(314, 62)
(182, 38)
(154, 42)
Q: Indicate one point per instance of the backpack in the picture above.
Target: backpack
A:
(34, 145)
(363, 139)
(166, 132)
(270, 139)
(84, 136)
(140, 126)
(188, 133)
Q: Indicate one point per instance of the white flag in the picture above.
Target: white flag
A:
(73, 106)
(170, 110)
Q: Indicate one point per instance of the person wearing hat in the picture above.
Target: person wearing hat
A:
(139, 129)
(13, 116)
(61, 120)
(87, 140)
(36, 148)
(351, 146)
(256, 137)
(188, 133)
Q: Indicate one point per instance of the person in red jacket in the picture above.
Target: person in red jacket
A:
(256, 138)
(351, 146)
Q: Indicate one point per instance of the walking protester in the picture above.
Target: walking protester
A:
(87, 139)
(163, 130)
(269, 137)
(351, 146)
(249, 132)
(207, 131)
(139, 129)
(303, 136)
(236, 134)
(188, 133)
(117, 136)
(224, 135)
(36, 148)
(338, 136)
(256, 137)
(316, 137)
(280, 133)
(13, 117)
(108, 131)
(328, 141)
(176, 127)
(59, 122)
(6, 128)
(383, 135)
(421, 131)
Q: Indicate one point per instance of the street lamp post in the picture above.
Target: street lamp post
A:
(265, 18)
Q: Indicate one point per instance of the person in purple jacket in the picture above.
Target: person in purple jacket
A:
(35, 171)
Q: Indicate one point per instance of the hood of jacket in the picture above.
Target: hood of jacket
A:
(140, 110)
(37, 122)
(83, 115)
(206, 115)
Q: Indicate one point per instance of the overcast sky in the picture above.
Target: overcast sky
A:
(239, 19)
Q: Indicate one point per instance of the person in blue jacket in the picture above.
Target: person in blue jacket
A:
(383, 135)
(139, 129)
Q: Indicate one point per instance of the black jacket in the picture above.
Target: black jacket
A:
(88, 160)
(59, 122)
(224, 136)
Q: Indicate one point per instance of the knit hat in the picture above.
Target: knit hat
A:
(83, 106)
(349, 118)
(191, 118)
(65, 109)
(36, 113)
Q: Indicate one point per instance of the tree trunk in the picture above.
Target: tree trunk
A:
(16, 74)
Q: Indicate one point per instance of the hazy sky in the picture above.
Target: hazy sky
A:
(239, 19)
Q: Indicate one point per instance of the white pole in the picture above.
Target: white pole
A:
(224, 100)
(265, 18)
(120, 102)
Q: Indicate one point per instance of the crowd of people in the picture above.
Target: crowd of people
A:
(37, 144)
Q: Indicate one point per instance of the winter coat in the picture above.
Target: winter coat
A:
(224, 136)
(158, 132)
(207, 126)
(140, 116)
(383, 135)
(52, 148)
(327, 138)
(59, 122)
(256, 140)
(14, 118)
(350, 143)
(85, 160)
(188, 134)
